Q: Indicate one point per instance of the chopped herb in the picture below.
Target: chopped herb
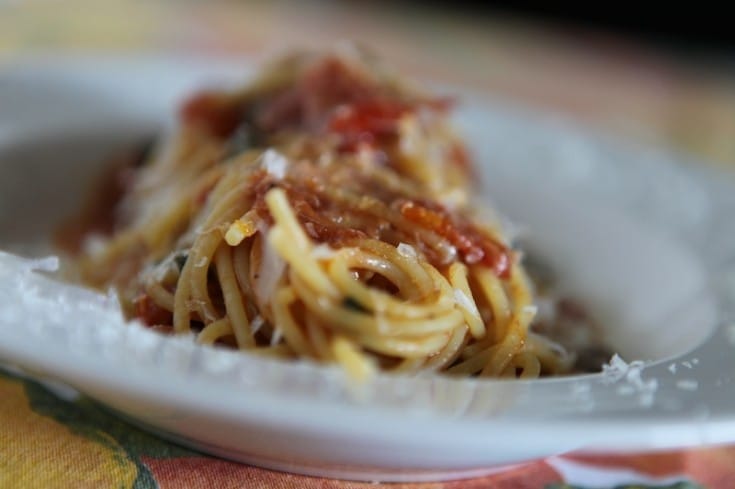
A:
(241, 140)
(351, 303)
(180, 260)
(246, 135)
(144, 152)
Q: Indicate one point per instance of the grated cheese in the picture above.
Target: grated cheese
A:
(687, 385)
(407, 250)
(274, 163)
(465, 302)
(322, 252)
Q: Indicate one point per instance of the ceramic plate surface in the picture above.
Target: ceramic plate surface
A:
(641, 236)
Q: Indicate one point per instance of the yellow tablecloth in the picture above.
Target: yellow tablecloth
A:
(632, 90)
(48, 442)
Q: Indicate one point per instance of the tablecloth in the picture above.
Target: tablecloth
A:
(50, 441)
(636, 91)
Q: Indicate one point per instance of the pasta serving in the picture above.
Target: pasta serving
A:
(324, 211)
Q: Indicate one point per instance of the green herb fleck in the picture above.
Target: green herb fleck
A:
(351, 303)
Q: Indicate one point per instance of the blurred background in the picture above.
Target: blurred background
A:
(645, 78)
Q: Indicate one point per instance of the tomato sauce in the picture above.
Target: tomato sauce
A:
(150, 313)
(216, 114)
(326, 220)
(371, 123)
(473, 245)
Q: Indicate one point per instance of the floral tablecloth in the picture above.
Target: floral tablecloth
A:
(52, 440)
(48, 440)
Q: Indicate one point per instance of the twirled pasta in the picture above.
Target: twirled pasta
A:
(322, 212)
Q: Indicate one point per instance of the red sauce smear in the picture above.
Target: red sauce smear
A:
(472, 245)
(308, 102)
(330, 92)
(312, 210)
(216, 114)
(459, 155)
(367, 123)
(326, 221)
(150, 313)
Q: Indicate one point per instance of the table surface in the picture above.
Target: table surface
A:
(633, 90)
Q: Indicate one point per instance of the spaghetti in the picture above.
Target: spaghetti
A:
(322, 212)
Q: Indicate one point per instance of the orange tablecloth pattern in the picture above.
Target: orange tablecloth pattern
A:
(48, 441)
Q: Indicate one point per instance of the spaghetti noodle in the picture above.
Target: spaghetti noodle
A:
(322, 212)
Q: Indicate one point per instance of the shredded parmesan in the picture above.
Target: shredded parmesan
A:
(271, 270)
(277, 335)
(257, 323)
(46, 264)
(465, 302)
(322, 252)
(407, 250)
(619, 370)
(687, 385)
(614, 370)
(274, 163)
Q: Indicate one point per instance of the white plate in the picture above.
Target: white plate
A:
(646, 240)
